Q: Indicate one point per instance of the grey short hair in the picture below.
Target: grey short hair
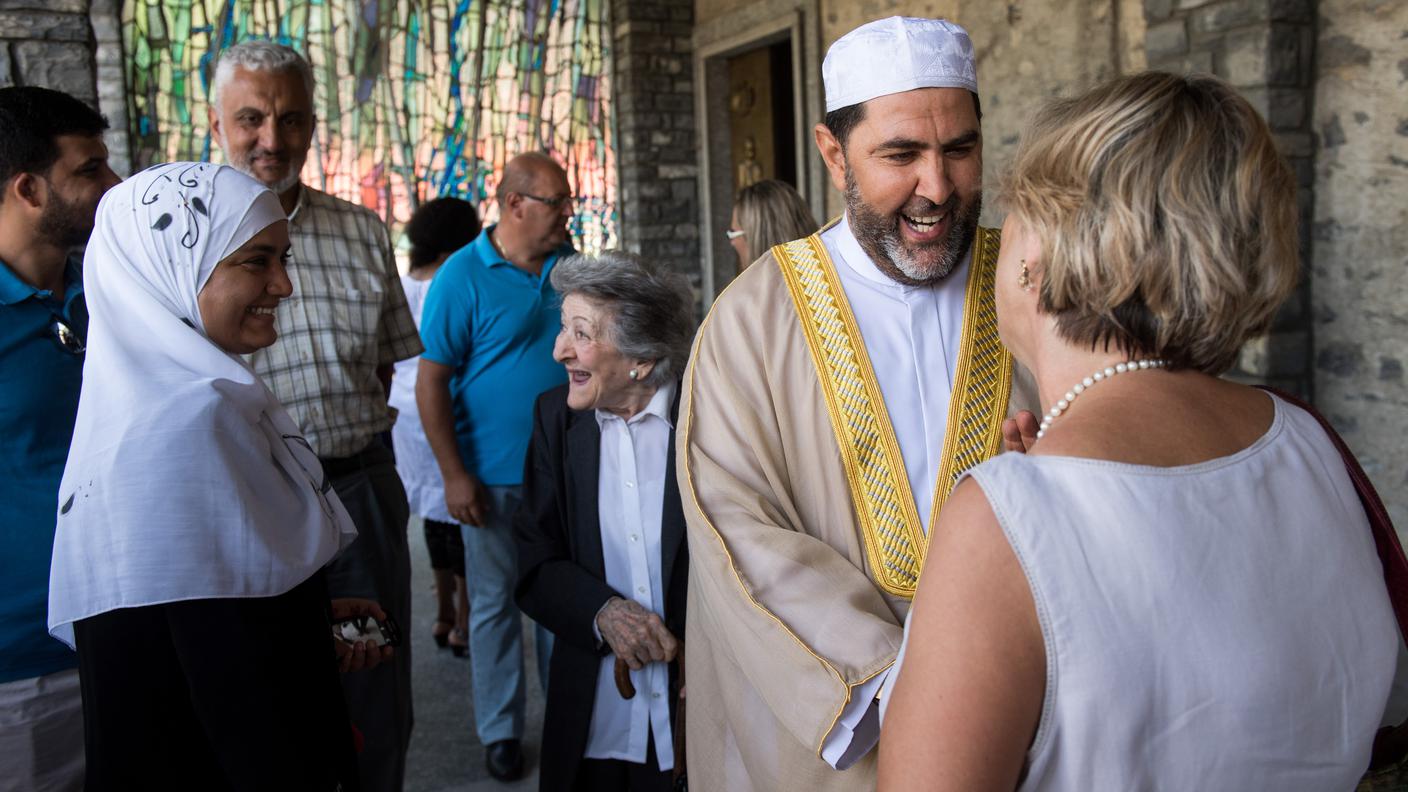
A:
(651, 308)
(258, 55)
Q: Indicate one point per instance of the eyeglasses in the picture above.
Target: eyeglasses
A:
(554, 202)
(67, 337)
(322, 485)
(732, 234)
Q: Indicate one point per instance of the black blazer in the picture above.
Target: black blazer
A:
(562, 574)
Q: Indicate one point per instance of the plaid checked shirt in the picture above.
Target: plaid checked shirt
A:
(347, 317)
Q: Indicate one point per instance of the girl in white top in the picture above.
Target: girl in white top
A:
(437, 229)
(1175, 587)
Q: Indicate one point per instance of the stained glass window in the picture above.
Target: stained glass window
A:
(415, 98)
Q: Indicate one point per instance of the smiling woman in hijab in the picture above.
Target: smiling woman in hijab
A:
(193, 518)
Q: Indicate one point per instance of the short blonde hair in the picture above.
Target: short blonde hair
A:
(1166, 217)
(770, 213)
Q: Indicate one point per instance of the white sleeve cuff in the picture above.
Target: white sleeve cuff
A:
(595, 629)
(858, 729)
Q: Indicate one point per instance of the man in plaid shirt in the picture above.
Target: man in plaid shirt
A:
(339, 336)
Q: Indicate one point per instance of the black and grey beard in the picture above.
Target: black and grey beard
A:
(921, 264)
(66, 225)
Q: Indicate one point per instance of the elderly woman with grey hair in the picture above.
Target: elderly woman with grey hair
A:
(602, 555)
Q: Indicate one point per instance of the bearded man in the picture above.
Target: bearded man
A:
(53, 171)
(836, 393)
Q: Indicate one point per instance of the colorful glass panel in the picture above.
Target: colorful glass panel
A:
(415, 98)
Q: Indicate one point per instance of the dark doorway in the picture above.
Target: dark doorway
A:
(762, 116)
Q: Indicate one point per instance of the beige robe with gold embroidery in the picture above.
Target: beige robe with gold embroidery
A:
(785, 618)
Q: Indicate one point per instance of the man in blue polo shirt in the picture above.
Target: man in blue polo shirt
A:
(53, 170)
(489, 324)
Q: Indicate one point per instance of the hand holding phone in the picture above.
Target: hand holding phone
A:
(363, 634)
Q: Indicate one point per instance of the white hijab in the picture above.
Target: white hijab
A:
(185, 479)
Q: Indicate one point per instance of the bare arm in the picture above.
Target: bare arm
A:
(968, 700)
(464, 494)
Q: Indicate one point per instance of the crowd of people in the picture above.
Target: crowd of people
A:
(820, 541)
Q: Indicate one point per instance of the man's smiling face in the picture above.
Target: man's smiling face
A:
(912, 171)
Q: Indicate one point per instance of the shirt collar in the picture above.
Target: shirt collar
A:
(489, 255)
(659, 407)
(298, 205)
(485, 251)
(860, 262)
(13, 290)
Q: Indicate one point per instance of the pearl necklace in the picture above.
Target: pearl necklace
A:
(1100, 374)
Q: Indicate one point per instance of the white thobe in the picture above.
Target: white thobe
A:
(912, 335)
(630, 501)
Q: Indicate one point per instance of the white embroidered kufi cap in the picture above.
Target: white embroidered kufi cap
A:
(895, 55)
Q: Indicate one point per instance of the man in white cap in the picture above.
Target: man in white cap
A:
(835, 395)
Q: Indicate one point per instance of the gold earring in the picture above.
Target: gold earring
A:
(1024, 280)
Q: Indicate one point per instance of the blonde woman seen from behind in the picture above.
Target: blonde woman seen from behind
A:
(1176, 587)
(767, 213)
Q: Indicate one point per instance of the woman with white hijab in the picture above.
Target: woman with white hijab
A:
(193, 518)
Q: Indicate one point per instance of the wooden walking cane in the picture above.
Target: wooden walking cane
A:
(622, 673)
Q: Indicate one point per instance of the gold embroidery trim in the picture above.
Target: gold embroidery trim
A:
(982, 386)
(890, 528)
(686, 427)
(870, 452)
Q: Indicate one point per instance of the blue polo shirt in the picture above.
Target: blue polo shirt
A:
(495, 325)
(39, 383)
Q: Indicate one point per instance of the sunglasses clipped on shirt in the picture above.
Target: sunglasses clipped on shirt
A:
(67, 337)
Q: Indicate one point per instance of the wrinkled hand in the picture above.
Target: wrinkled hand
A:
(635, 635)
(1018, 434)
(362, 655)
(467, 500)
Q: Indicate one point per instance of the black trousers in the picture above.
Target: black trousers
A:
(618, 775)
(377, 566)
(222, 694)
(446, 546)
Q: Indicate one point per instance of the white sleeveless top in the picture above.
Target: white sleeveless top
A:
(1219, 626)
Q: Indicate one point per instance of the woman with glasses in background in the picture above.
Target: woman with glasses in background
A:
(765, 214)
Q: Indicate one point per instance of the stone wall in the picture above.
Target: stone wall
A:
(1360, 239)
(655, 152)
(73, 46)
(111, 72)
(48, 43)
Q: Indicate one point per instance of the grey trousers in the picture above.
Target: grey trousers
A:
(378, 566)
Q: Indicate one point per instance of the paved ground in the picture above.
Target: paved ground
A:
(445, 753)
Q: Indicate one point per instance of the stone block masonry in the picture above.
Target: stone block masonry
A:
(1360, 236)
(48, 43)
(653, 83)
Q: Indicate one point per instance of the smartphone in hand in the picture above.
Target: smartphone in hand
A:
(381, 632)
